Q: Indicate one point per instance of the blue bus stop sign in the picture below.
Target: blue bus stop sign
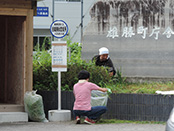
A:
(59, 29)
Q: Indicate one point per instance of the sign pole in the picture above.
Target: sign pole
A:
(59, 64)
(59, 90)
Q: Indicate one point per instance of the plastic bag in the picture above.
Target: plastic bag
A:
(99, 98)
(170, 122)
(34, 106)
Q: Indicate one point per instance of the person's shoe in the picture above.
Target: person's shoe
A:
(89, 121)
(77, 120)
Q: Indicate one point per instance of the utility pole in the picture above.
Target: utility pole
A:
(52, 15)
(81, 21)
(52, 10)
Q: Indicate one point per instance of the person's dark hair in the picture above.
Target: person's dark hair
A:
(83, 74)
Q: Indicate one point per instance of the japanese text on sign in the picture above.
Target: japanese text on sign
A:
(59, 29)
(128, 32)
(59, 57)
(42, 11)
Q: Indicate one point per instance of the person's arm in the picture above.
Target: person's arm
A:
(103, 89)
(112, 69)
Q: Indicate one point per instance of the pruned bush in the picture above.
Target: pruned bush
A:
(98, 75)
(45, 79)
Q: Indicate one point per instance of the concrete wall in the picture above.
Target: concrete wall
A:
(139, 53)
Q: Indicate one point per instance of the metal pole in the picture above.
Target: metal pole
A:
(53, 11)
(81, 21)
(52, 16)
(59, 90)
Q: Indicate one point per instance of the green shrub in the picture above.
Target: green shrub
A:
(45, 79)
(46, 45)
(98, 75)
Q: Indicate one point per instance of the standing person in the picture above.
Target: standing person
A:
(103, 59)
(82, 105)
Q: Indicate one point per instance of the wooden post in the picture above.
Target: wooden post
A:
(29, 49)
(6, 61)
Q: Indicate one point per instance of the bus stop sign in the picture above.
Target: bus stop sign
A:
(59, 29)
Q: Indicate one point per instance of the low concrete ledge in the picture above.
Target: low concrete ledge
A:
(13, 117)
(59, 115)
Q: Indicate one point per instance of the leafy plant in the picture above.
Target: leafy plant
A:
(45, 79)
(119, 79)
(46, 45)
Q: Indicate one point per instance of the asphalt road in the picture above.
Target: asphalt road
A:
(71, 126)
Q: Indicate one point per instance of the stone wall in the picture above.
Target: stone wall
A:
(139, 35)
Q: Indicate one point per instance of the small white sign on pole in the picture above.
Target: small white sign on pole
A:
(59, 63)
(59, 56)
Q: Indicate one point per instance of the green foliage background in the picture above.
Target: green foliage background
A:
(45, 79)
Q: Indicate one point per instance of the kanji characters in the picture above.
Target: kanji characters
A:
(155, 32)
(142, 30)
(113, 32)
(129, 32)
(168, 32)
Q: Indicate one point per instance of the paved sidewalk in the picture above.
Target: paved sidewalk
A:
(71, 126)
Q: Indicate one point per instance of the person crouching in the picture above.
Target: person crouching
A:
(82, 105)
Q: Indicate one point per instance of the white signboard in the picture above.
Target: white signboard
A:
(59, 56)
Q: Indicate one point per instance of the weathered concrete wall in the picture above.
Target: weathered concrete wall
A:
(138, 33)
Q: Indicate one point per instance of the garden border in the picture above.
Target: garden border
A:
(141, 107)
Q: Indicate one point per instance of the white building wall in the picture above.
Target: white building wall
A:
(70, 12)
(43, 22)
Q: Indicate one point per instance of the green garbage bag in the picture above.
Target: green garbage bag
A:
(34, 106)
